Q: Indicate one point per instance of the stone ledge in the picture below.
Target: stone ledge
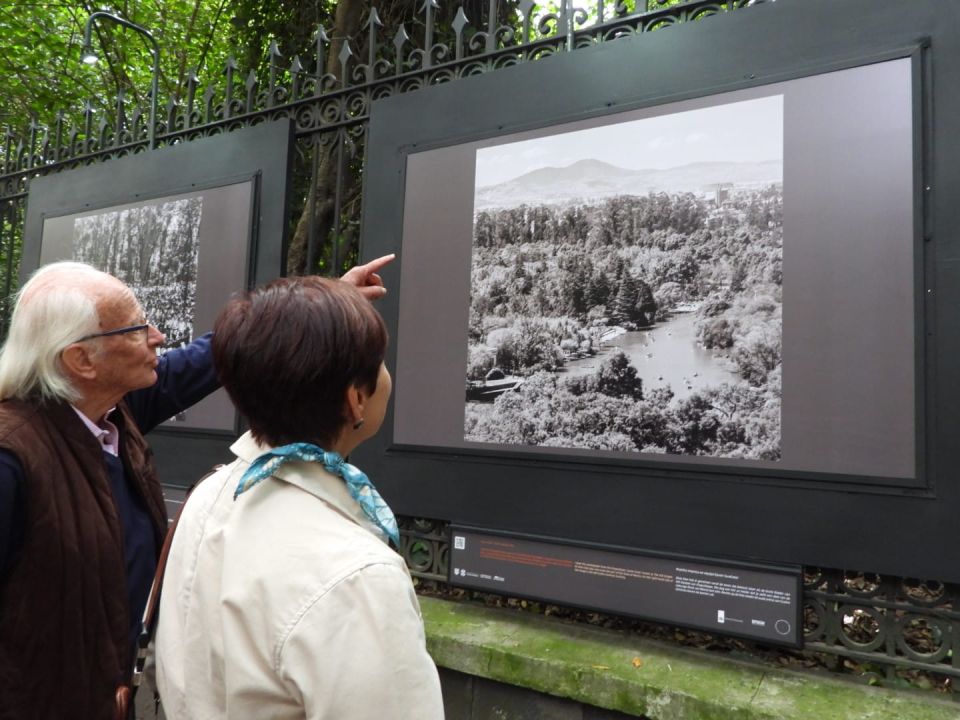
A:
(641, 677)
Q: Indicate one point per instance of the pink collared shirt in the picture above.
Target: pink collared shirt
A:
(105, 432)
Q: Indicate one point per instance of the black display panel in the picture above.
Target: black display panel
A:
(867, 311)
(185, 226)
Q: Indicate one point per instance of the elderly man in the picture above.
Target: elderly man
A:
(81, 510)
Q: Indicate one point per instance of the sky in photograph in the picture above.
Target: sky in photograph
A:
(746, 131)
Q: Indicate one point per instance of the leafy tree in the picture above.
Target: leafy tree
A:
(646, 307)
(41, 44)
(615, 377)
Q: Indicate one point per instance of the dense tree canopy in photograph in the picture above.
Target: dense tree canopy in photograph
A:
(553, 284)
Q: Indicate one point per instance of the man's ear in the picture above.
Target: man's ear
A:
(78, 362)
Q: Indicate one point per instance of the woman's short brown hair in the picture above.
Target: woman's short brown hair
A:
(287, 353)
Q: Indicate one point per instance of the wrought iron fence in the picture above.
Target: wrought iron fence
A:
(884, 625)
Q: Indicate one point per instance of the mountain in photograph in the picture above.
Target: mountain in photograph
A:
(589, 180)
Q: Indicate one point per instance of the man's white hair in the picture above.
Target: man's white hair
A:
(56, 307)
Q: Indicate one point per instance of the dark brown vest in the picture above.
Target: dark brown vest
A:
(64, 620)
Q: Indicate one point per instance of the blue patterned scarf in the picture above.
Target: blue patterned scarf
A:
(359, 485)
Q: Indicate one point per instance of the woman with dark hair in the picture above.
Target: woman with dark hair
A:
(282, 597)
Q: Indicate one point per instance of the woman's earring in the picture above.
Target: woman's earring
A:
(358, 424)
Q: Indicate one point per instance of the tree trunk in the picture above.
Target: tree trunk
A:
(347, 19)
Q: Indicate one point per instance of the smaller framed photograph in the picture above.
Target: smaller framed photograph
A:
(182, 255)
(184, 226)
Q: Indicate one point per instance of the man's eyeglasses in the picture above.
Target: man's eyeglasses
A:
(118, 331)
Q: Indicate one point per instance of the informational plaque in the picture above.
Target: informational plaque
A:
(760, 602)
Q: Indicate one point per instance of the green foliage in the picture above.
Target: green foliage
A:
(41, 44)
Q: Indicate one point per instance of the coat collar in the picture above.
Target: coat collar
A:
(309, 477)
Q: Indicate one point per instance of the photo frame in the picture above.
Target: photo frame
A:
(844, 471)
(182, 255)
(687, 228)
(185, 226)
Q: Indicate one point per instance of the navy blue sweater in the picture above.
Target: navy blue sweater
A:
(184, 377)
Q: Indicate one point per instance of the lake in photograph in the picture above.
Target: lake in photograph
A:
(666, 354)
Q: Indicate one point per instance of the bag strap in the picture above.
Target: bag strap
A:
(148, 625)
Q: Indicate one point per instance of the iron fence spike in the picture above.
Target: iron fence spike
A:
(459, 23)
(58, 136)
(87, 122)
(33, 143)
(134, 119)
(251, 85)
(208, 103)
(228, 95)
(8, 143)
(321, 40)
(401, 37)
(428, 7)
(45, 145)
(399, 40)
(119, 118)
(272, 89)
(491, 39)
(296, 69)
(172, 103)
(461, 20)
(372, 24)
(345, 54)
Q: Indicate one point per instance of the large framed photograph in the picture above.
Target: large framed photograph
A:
(184, 226)
(675, 284)
(633, 301)
(692, 291)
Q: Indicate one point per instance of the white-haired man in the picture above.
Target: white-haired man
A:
(81, 510)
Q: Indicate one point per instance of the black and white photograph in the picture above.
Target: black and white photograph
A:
(626, 287)
(153, 248)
